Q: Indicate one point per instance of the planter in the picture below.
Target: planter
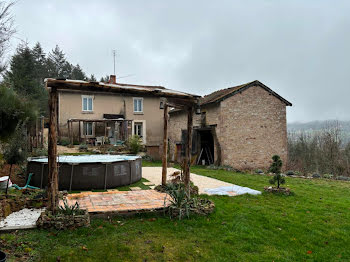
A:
(2, 257)
(281, 190)
(197, 206)
(61, 221)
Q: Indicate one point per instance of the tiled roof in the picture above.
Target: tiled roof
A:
(222, 94)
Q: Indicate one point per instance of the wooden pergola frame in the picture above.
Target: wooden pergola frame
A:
(171, 98)
(85, 120)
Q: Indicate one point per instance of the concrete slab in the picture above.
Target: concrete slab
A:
(23, 219)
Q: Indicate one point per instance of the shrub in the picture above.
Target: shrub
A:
(15, 151)
(316, 175)
(64, 141)
(290, 173)
(276, 169)
(328, 176)
(134, 144)
(83, 147)
(71, 210)
(147, 158)
(39, 152)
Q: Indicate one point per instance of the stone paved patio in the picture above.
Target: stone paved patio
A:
(119, 201)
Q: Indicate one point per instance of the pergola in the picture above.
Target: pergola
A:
(169, 99)
(85, 120)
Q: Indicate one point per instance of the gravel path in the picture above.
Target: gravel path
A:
(206, 185)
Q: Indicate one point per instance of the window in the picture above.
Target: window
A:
(138, 129)
(87, 103)
(87, 129)
(138, 105)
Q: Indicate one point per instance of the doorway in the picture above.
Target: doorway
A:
(206, 150)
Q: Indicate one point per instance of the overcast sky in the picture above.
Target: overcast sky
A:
(300, 49)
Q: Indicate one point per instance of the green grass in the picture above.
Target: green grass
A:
(312, 225)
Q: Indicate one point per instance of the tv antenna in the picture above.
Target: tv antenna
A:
(114, 54)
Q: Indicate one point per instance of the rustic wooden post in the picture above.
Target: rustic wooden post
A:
(42, 120)
(52, 190)
(165, 145)
(188, 148)
(72, 133)
(68, 125)
(37, 132)
(79, 133)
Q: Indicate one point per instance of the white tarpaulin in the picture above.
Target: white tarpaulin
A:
(231, 190)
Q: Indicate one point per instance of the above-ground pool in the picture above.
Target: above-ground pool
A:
(87, 172)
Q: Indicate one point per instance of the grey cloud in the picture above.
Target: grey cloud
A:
(301, 49)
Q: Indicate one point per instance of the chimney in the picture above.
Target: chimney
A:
(112, 79)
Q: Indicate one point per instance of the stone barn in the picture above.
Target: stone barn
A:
(241, 126)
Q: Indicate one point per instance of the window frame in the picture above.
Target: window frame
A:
(144, 129)
(85, 129)
(133, 104)
(137, 126)
(87, 97)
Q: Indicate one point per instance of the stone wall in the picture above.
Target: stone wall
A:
(253, 128)
(250, 127)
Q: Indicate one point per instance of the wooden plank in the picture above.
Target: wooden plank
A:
(52, 191)
(42, 122)
(79, 139)
(165, 145)
(68, 124)
(188, 147)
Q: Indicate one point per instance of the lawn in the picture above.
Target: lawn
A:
(312, 225)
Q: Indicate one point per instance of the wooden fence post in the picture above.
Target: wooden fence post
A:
(52, 191)
(165, 145)
(188, 146)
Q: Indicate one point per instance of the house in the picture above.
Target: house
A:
(94, 114)
(241, 126)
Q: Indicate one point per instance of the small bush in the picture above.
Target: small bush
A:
(71, 210)
(290, 173)
(328, 176)
(134, 144)
(64, 141)
(276, 169)
(147, 158)
(39, 152)
(83, 147)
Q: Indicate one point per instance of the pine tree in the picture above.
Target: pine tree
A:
(57, 65)
(77, 73)
(105, 79)
(275, 168)
(92, 78)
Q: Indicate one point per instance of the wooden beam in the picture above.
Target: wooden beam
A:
(69, 131)
(188, 147)
(42, 120)
(165, 145)
(79, 139)
(52, 191)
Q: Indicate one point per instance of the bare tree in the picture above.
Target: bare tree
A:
(6, 30)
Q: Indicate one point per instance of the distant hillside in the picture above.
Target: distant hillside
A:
(310, 127)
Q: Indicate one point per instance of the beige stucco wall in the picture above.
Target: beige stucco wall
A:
(251, 127)
(70, 106)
